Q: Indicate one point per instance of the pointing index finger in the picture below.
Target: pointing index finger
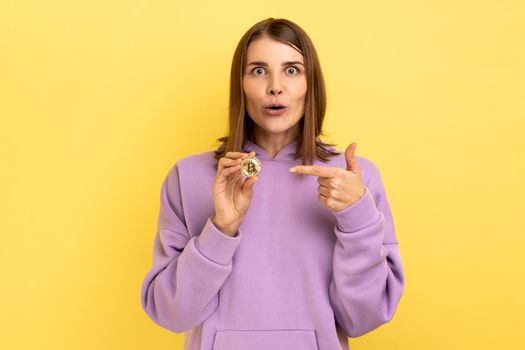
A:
(313, 170)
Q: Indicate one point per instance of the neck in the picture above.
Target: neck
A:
(272, 143)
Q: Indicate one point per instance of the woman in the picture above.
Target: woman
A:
(281, 260)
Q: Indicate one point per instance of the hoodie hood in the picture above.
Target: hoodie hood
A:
(286, 153)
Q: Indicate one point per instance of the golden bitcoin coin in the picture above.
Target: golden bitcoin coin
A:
(250, 167)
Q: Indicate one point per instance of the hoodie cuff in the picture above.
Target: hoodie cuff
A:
(216, 245)
(358, 214)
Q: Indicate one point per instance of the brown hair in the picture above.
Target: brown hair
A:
(240, 124)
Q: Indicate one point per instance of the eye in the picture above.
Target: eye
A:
(258, 70)
(293, 70)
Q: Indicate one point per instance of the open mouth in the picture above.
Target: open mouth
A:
(275, 110)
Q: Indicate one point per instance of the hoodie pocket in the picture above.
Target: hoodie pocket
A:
(285, 339)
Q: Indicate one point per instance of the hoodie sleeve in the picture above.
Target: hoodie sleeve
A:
(181, 288)
(368, 276)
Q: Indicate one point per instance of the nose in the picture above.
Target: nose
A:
(275, 91)
(275, 87)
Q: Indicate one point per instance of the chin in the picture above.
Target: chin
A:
(276, 125)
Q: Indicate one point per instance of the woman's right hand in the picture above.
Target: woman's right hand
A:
(231, 194)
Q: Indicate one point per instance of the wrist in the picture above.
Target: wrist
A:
(229, 230)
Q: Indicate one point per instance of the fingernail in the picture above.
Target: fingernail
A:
(293, 170)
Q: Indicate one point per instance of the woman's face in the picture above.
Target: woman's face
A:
(274, 74)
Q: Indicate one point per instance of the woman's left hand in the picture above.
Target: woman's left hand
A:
(338, 188)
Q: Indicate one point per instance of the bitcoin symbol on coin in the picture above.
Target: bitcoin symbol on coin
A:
(250, 167)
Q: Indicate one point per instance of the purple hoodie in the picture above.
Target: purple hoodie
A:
(296, 276)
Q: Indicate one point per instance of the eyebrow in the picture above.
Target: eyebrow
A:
(264, 64)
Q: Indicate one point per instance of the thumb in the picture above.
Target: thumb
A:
(247, 187)
(351, 161)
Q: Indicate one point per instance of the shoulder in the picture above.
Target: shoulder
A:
(196, 159)
(195, 166)
(368, 168)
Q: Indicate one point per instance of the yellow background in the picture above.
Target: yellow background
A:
(98, 99)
